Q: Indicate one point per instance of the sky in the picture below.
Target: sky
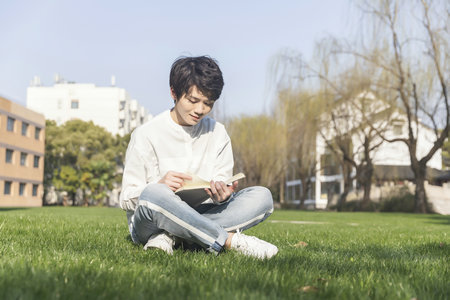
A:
(137, 42)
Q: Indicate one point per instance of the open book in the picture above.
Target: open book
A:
(193, 191)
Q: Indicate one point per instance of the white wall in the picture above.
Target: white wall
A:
(98, 104)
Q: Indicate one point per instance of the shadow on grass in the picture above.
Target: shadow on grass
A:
(438, 219)
(179, 245)
(6, 209)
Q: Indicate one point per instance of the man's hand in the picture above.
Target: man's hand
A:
(174, 180)
(219, 191)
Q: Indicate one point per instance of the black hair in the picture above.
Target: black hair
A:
(201, 71)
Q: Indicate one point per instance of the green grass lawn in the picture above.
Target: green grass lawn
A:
(85, 253)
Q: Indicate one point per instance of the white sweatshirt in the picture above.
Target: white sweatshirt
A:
(161, 145)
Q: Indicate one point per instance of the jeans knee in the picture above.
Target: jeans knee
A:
(262, 198)
(153, 192)
(267, 199)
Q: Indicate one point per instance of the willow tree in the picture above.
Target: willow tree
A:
(341, 89)
(259, 150)
(407, 43)
(297, 111)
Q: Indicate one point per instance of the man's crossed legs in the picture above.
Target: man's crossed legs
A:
(162, 215)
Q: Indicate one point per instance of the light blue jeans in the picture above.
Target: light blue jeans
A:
(207, 225)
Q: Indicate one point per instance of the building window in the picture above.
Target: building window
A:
(10, 125)
(7, 189)
(397, 129)
(122, 105)
(9, 156)
(22, 189)
(74, 104)
(23, 158)
(121, 123)
(37, 133)
(24, 128)
(36, 161)
(35, 189)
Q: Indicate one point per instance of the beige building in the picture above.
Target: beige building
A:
(22, 134)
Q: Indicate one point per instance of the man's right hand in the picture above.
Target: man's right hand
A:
(174, 180)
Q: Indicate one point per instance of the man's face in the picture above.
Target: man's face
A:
(191, 108)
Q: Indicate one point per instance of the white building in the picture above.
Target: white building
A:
(391, 160)
(110, 107)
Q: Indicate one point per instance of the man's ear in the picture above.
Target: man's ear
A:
(173, 95)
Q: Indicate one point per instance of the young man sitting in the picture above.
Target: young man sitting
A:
(182, 141)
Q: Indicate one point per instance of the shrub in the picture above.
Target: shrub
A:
(401, 200)
(398, 203)
(353, 206)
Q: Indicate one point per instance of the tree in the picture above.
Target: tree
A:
(297, 111)
(341, 91)
(67, 179)
(409, 51)
(348, 130)
(81, 155)
(259, 150)
(98, 178)
(446, 154)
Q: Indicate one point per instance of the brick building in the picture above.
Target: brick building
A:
(22, 135)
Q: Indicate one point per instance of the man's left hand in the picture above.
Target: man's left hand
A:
(219, 191)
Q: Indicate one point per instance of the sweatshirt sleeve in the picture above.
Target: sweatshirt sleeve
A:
(141, 168)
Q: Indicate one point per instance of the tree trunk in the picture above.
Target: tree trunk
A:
(366, 196)
(420, 196)
(347, 171)
(282, 184)
(419, 169)
(347, 186)
(366, 182)
(343, 198)
(74, 202)
(306, 184)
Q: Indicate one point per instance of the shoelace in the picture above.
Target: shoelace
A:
(245, 241)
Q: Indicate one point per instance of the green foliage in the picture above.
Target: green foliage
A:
(401, 201)
(66, 179)
(85, 253)
(355, 206)
(98, 177)
(258, 146)
(298, 111)
(446, 154)
(81, 155)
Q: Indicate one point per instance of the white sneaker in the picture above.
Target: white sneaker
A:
(161, 241)
(252, 246)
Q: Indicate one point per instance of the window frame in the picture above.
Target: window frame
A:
(22, 188)
(10, 124)
(26, 126)
(37, 133)
(74, 104)
(11, 151)
(397, 129)
(34, 191)
(7, 191)
(25, 156)
(36, 161)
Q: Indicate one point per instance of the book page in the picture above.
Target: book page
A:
(193, 191)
